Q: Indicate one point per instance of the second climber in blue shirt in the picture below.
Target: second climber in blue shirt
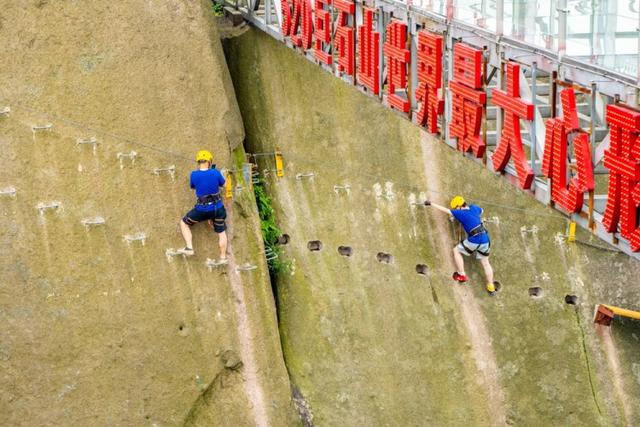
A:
(207, 182)
(477, 241)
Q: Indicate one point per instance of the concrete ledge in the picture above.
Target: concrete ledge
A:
(233, 15)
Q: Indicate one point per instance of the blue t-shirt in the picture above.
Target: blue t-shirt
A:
(470, 219)
(207, 182)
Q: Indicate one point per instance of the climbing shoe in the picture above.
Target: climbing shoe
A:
(491, 288)
(459, 277)
(186, 251)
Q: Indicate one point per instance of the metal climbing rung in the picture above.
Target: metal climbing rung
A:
(45, 206)
(246, 267)
(270, 254)
(5, 111)
(491, 220)
(92, 222)
(308, 175)
(532, 230)
(172, 253)
(87, 141)
(8, 191)
(213, 263)
(338, 188)
(131, 156)
(42, 128)
(135, 237)
(255, 177)
(171, 170)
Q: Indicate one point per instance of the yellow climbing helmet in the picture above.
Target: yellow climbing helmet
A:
(204, 156)
(457, 202)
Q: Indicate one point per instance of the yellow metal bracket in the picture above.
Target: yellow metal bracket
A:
(279, 164)
(571, 236)
(605, 313)
(228, 185)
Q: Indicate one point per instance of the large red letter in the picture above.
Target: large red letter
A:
(285, 8)
(398, 56)
(323, 32)
(554, 163)
(510, 143)
(467, 101)
(429, 79)
(368, 47)
(344, 40)
(623, 160)
(301, 28)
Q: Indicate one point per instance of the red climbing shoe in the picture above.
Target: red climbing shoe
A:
(459, 277)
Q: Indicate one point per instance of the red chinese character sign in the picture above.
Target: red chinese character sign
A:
(429, 79)
(344, 41)
(554, 163)
(466, 99)
(285, 9)
(323, 32)
(397, 57)
(623, 160)
(369, 50)
(297, 22)
(510, 143)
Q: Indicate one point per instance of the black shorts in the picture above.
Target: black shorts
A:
(217, 215)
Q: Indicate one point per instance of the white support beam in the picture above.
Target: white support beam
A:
(599, 150)
(527, 93)
(278, 7)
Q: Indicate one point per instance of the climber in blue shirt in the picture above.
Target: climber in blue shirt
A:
(206, 181)
(477, 241)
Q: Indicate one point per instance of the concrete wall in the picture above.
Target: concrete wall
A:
(370, 343)
(96, 331)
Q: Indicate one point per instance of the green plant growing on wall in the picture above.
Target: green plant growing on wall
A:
(217, 8)
(270, 231)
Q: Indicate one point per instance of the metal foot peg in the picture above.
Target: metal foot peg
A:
(216, 263)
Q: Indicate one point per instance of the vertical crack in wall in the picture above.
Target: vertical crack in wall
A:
(302, 406)
(586, 357)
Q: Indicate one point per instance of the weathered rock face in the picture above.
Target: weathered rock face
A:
(97, 330)
(376, 343)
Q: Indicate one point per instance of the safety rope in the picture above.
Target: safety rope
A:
(85, 127)
(415, 189)
(80, 125)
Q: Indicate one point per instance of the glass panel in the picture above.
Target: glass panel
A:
(601, 32)
(534, 22)
(480, 13)
(435, 6)
(604, 32)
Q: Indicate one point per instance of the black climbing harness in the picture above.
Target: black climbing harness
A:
(209, 199)
(478, 229)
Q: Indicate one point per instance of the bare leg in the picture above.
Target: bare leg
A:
(222, 242)
(488, 270)
(457, 258)
(186, 234)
